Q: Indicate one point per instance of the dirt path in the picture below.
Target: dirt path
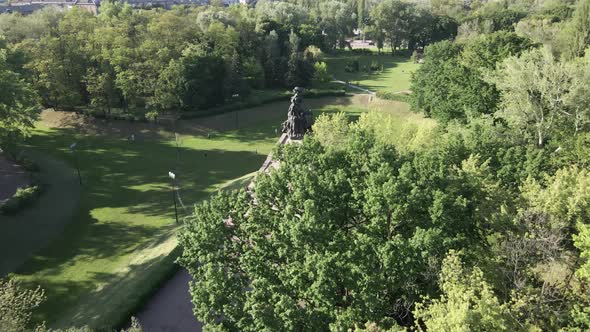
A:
(12, 176)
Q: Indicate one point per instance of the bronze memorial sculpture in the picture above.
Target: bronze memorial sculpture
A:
(299, 121)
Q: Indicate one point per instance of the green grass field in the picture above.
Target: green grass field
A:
(395, 76)
(117, 245)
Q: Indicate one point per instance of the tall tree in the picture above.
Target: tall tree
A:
(18, 105)
(395, 19)
(320, 244)
(576, 35)
(534, 88)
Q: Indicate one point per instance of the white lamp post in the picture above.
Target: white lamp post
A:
(173, 178)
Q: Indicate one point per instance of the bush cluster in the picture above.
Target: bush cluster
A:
(21, 199)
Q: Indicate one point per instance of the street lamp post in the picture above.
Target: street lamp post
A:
(76, 161)
(173, 178)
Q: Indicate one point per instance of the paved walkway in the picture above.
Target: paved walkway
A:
(356, 87)
(171, 309)
(12, 176)
(35, 227)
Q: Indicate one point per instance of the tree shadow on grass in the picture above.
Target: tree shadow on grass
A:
(125, 205)
(337, 66)
(102, 300)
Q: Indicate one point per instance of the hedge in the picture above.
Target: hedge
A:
(21, 199)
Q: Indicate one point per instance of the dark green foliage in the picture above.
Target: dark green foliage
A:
(23, 198)
(352, 66)
(428, 28)
(500, 18)
(558, 13)
(204, 75)
(450, 84)
(487, 50)
(445, 89)
(325, 237)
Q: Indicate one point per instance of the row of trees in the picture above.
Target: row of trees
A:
(188, 59)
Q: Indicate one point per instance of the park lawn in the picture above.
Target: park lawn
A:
(395, 76)
(120, 242)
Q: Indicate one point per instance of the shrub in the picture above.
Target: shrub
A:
(375, 65)
(352, 66)
(313, 53)
(321, 72)
(22, 198)
(152, 116)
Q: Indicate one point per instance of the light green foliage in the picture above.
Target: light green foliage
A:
(576, 35)
(566, 197)
(393, 123)
(582, 242)
(331, 130)
(535, 256)
(539, 30)
(578, 96)
(321, 73)
(445, 89)
(534, 87)
(467, 303)
(485, 51)
(17, 305)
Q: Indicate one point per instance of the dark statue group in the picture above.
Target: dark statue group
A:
(299, 120)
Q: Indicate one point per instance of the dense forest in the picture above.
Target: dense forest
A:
(483, 227)
(189, 58)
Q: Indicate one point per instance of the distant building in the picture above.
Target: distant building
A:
(27, 7)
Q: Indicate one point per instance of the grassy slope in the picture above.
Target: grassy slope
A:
(117, 245)
(396, 75)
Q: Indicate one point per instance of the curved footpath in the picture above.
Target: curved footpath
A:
(171, 309)
(356, 87)
(35, 227)
(12, 177)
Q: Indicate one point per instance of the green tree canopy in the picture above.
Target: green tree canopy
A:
(18, 105)
(319, 243)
